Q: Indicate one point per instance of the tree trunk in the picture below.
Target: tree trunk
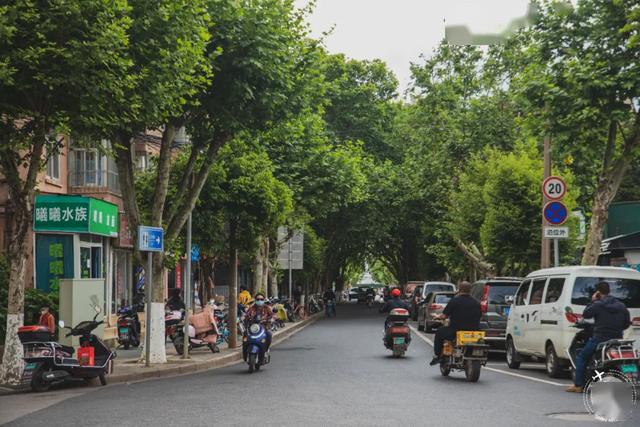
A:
(477, 260)
(605, 193)
(273, 279)
(21, 206)
(257, 270)
(613, 173)
(12, 363)
(264, 284)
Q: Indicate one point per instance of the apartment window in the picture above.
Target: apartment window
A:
(53, 166)
(142, 161)
(87, 167)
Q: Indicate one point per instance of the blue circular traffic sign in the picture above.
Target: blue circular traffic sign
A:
(555, 213)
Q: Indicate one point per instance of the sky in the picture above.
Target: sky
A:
(399, 31)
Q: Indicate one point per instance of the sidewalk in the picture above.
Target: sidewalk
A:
(129, 369)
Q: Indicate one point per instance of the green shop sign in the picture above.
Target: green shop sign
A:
(75, 214)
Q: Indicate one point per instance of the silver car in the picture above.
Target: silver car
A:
(432, 306)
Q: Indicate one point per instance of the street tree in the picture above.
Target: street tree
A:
(579, 79)
(54, 58)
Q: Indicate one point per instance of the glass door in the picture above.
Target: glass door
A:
(85, 262)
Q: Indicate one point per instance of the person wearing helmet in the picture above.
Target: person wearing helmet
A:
(263, 313)
(394, 302)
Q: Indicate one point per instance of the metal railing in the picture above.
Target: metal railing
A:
(99, 179)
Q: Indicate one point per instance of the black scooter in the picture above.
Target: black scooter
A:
(128, 327)
(49, 362)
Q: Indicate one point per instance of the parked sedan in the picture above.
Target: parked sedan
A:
(432, 306)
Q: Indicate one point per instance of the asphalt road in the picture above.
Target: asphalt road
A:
(335, 372)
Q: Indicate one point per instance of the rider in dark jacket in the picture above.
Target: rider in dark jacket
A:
(394, 302)
(611, 319)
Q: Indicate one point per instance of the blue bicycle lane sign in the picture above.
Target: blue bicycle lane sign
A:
(555, 213)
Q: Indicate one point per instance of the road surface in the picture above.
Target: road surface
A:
(334, 372)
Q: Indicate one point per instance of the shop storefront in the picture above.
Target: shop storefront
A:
(73, 239)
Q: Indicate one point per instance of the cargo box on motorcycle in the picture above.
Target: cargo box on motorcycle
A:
(34, 333)
(398, 315)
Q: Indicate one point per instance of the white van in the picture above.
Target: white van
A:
(538, 325)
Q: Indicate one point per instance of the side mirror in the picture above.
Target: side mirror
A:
(61, 324)
(509, 299)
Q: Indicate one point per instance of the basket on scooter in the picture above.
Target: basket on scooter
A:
(34, 333)
(398, 315)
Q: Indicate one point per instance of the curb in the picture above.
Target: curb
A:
(233, 356)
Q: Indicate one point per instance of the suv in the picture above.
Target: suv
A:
(421, 291)
(493, 295)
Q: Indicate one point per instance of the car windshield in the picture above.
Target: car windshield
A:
(626, 290)
(498, 292)
(442, 299)
(436, 288)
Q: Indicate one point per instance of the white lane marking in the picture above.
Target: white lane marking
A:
(513, 374)
(421, 336)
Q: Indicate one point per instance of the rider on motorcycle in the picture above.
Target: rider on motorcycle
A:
(611, 319)
(394, 302)
(464, 314)
(259, 310)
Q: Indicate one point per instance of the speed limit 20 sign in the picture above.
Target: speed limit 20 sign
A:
(554, 188)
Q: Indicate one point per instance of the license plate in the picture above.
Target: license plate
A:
(629, 369)
(398, 340)
(506, 311)
(124, 330)
(30, 366)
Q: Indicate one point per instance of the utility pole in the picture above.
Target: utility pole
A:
(545, 250)
(187, 291)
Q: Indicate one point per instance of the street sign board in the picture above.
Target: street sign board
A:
(150, 239)
(195, 253)
(555, 213)
(290, 249)
(554, 188)
(556, 232)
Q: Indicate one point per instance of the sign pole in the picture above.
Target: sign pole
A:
(147, 334)
(556, 252)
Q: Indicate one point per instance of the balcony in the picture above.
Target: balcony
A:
(94, 181)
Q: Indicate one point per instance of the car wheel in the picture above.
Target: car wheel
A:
(427, 327)
(553, 365)
(513, 359)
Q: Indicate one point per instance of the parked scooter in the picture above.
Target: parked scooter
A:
(615, 354)
(49, 362)
(203, 332)
(172, 318)
(254, 346)
(397, 336)
(128, 327)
